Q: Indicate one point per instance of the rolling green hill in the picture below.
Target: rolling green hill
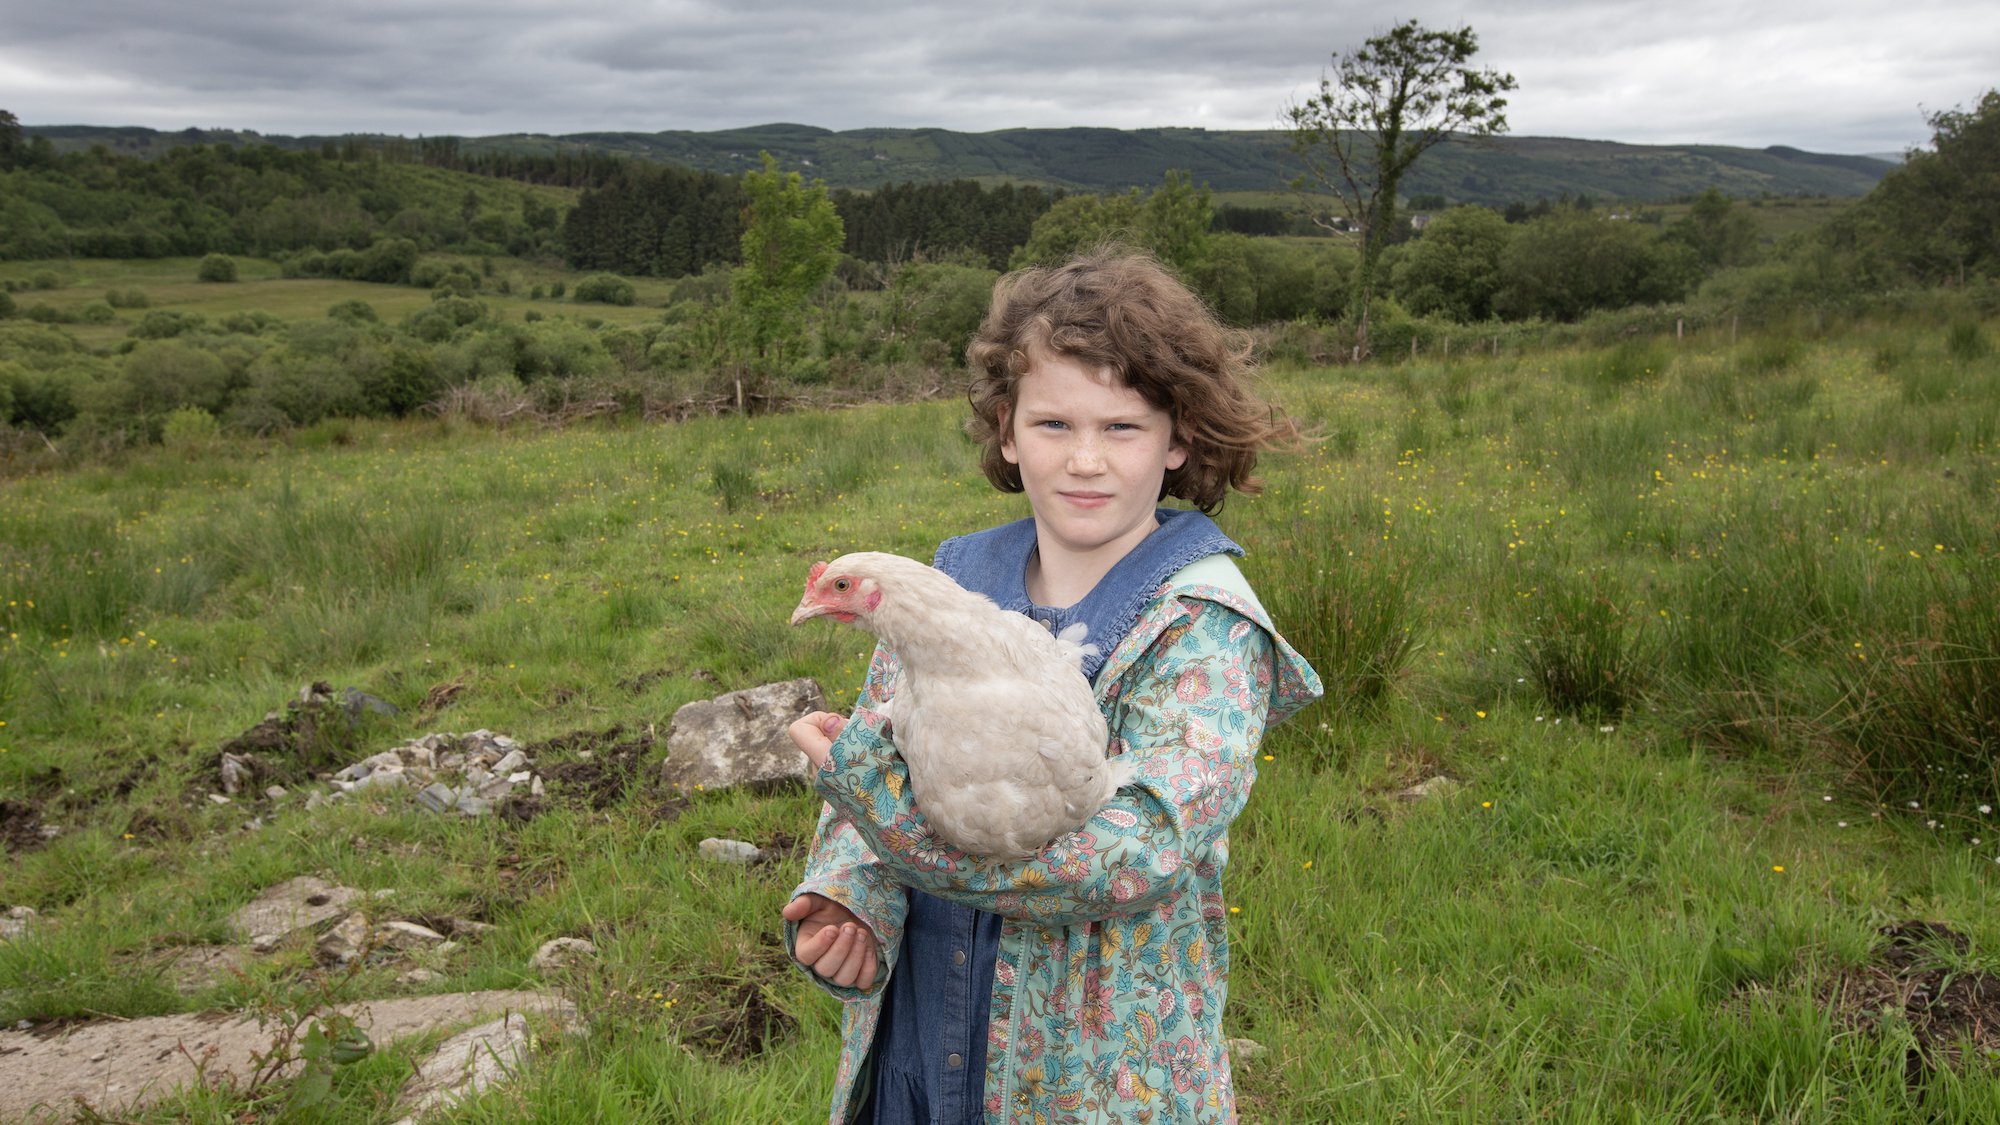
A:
(1491, 172)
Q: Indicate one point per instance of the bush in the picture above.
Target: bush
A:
(605, 289)
(44, 279)
(98, 313)
(6, 305)
(126, 298)
(556, 289)
(163, 324)
(354, 311)
(250, 322)
(49, 314)
(1965, 342)
(190, 428)
(216, 267)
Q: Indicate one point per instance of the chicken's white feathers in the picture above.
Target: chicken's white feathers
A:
(1002, 733)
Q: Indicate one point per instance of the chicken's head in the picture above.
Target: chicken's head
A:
(837, 591)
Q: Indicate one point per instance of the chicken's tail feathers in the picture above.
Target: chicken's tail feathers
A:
(1071, 642)
(1121, 771)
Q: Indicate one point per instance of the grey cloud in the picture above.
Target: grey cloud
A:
(1840, 75)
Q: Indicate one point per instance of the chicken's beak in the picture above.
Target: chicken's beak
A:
(808, 609)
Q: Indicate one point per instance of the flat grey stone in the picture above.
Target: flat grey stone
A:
(296, 904)
(740, 738)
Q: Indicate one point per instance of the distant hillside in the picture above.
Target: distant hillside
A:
(1492, 172)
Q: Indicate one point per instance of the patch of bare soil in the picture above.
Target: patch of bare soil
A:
(738, 1023)
(599, 781)
(1948, 1009)
(314, 733)
(20, 826)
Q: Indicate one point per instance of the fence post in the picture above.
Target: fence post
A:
(1447, 347)
(1413, 347)
(1496, 345)
(1732, 329)
(1678, 323)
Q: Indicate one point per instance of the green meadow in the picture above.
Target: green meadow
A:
(1703, 638)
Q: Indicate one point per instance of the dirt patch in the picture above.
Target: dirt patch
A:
(740, 1024)
(20, 826)
(599, 781)
(1947, 1008)
(314, 733)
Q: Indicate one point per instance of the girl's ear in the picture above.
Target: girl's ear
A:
(1177, 455)
(1007, 450)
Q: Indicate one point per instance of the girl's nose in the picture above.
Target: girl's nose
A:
(1084, 459)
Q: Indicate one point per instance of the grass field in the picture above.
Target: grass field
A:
(1705, 638)
(170, 283)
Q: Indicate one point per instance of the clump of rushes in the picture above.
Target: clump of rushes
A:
(1582, 649)
(1919, 706)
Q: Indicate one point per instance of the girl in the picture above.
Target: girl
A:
(1087, 982)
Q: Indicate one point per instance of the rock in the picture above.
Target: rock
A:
(472, 805)
(297, 904)
(355, 936)
(739, 738)
(237, 772)
(513, 760)
(560, 953)
(15, 924)
(275, 792)
(1439, 786)
(416, 976)
(1243, 1051)
(437, 796)
(730, 851)
(218, 799)
(149, 1058)
(466, 1064)
(356, 702)
(202, 967)
(383, 776)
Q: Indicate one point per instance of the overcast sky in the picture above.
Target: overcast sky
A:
(1827, 76)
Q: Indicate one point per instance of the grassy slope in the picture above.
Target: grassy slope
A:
(1593, 927)
(1507, 168)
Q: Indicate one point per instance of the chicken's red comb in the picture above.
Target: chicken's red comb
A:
(812, 575)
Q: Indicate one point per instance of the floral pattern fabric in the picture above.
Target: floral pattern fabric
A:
(1114, 954)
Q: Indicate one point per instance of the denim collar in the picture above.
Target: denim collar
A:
(994, 562)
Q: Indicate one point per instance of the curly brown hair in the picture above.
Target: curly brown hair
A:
(1117, 309)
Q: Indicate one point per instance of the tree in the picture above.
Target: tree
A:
(1400, 94)
(1720, 233)
(10, 139)
(791, 243)
(1938, 214)
(1454, 269)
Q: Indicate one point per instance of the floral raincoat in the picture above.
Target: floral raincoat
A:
(1114, 954)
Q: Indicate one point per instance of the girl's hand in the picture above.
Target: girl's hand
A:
(814, 735)
(832, 942)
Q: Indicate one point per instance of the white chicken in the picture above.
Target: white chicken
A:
(1003, 738)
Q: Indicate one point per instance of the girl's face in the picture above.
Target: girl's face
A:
(1092, 454)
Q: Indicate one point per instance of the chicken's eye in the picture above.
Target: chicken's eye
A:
(842, 585)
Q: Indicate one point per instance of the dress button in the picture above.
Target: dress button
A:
(958, 956)
(955, 1059)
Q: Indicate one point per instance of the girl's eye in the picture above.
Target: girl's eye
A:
(842, 585)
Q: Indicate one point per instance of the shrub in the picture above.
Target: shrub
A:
(605, 289)
(6, 305)
(44, 279)
(190, 428)
(250, 322)
(216, 267)
(126, 298)
(164, 324)
(49, 314)
(556, 289)
(97, 313)
(354, 311)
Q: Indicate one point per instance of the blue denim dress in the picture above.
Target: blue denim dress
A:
(930, 1049)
